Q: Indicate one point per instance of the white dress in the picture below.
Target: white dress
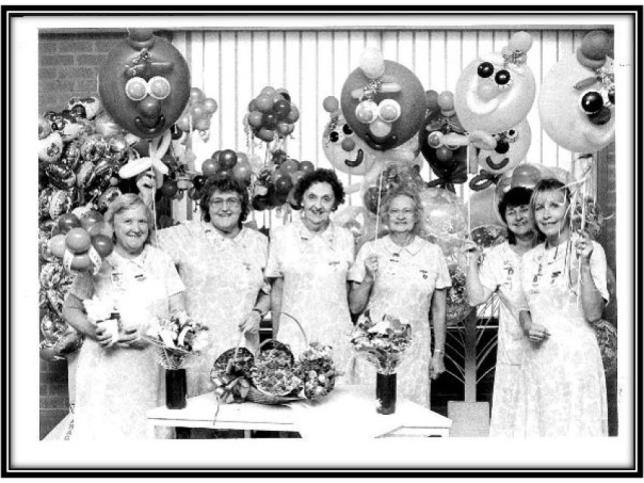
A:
(499, 272)
(223, 278)
(562, 388)
(314, 267)
(404, 286)
(116, 386)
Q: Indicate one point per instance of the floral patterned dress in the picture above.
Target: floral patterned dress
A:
(314, 267)
(562, 388)
(404, 286)
(116, 386)
(499, 272)
(223, 278)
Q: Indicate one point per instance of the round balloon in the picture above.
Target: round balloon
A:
(495, 92)
(511, 148)
(444, 215)
(386, 111)
(341, 147)
(144, 84)
(576, 101)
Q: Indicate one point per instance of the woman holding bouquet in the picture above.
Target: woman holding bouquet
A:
(309, 260)
(118, 377)
(403, 275)
(222, 264)
(561, 387)
(498, 273)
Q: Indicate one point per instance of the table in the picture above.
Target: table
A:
(349, 409)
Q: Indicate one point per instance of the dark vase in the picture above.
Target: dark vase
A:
(176, 388)
(386, 393)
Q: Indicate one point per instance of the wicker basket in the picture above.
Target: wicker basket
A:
(261, 396)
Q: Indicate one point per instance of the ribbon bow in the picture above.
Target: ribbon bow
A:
(230, 388)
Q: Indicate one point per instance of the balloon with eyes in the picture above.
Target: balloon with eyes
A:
(383, 102)
(144, 86)
(511, 148)
(443, 141)
(350, 154)
(577, 99)
(495, 92)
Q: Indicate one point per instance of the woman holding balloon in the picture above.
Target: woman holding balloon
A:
(562, 388)
(222, 264)
(118, 378)
(403, 275)
(309, 260)
(498, 273)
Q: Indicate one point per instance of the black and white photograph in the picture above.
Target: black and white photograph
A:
(317, 240)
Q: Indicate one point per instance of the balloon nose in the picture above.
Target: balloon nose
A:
(149, 107)
(348, 144)
(601, 117)
(487, 90)
(379, 128)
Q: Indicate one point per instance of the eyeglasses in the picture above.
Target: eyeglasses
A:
(219, 203)
(406, 212)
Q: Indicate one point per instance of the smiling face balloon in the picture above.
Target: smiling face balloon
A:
(577, 99)
(383, 102)
(344, 149)
(511, 148)
(144, 84)
(495, 92)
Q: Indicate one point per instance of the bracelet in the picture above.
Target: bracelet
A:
(438, 351)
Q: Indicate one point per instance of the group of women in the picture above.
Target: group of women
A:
(228, 277)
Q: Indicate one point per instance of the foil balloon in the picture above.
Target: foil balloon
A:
(443, 142)
(444, 219)
(483, 208)
(91, 105)
(511, 148)
(495, 92)
(457, 308)
(144, 84)
(50, 148)
(383, 102)
(577, 97)
(361, 222)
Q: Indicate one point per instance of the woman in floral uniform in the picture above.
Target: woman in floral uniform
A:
(562, 388)
(498, 273)
(404, 276)
(222, 265)
(309, 260)
(117, 381)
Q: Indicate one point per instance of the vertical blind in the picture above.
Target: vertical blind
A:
(233, 66)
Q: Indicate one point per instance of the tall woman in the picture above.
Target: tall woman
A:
(562, 389)
(222, 264)
(498, 273)
(309, 260)
(117, 381)
(404, 276)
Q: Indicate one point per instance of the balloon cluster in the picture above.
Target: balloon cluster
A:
(276, 181)
(197, 115)
(224, 163)
(82, 243)
(392, 177)
(271, 114)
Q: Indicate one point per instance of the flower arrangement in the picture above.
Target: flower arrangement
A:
(177, 337)
(273, 376)
(382, 343)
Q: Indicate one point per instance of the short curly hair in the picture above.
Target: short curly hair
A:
(320, 175)
(125, 202)
(224, 185)
(411, 193)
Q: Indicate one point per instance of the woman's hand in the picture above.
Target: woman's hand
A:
(103, 337)
(472, 252)
(250, 325)
(436, 365)
(131, 338)
(371, 265)
(536, 333)
(584, 247)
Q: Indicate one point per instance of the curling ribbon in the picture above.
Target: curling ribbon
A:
(96, 260)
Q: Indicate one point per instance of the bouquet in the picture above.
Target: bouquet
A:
(316, 370)
(381, 343)
(178, 338)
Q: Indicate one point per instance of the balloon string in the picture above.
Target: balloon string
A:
(375, 236)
